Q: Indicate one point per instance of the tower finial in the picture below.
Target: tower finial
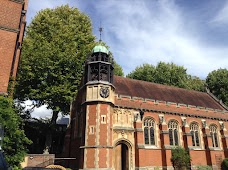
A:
(100, 30)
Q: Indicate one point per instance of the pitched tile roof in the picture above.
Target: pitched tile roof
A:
(143, 89)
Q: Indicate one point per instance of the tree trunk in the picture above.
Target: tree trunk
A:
(48, 140)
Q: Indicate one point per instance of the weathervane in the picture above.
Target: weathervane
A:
(100, 30)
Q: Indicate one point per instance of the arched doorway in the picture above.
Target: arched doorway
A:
(121, 157)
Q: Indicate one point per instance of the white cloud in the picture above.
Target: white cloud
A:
(222, 15)
(150, 32)
(40, 112)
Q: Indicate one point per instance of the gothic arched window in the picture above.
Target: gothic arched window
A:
(194, 129)
(173, 132)
(214, 135)
(149, 131)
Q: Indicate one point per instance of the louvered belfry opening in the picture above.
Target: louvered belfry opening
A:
(99, 66)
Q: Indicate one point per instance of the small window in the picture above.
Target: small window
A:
(173, 133)
(194, 129)
(149, 131)
(91, 130)
(214, 135)
(103, 119)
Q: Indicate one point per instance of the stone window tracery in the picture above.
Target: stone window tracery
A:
(194, 129)
(149, 131)
(173, 133)
(214, 135)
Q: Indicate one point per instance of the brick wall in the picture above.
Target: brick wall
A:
(12, 23)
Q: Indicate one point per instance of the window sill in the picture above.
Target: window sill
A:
(195, 148)
(148, 147)
(151, 147)
(215, 149)
(170, 146)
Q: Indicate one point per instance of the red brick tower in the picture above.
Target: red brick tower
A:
(99, 98)
(91, 120)
(12, 25)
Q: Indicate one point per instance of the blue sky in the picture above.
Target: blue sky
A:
(190, 33)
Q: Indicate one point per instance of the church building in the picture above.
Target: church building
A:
(119, 123)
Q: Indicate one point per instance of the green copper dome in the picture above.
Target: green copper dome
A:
(100, 48)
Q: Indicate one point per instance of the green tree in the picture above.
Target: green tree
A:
(118, 71)
(180, 158)
(224, 164)
(168, 74)
(54, 50)
(14, 141)
(144, 72)
(217, 83)
(195, 83)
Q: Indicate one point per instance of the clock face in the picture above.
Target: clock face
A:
(104, 92)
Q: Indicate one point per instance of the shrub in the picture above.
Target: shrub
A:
(14, 140)
(204, 167)
(224, 164)
(180, 158)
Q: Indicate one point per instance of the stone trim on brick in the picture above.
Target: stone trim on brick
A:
(97, 146)
(169, 147)
(9, 29)
(164, 132)
(138, 130)
(178, 105)
(187, 134)
(172, 113)
(195, 148)
(215, 149)
(123, 128)
(18, 1)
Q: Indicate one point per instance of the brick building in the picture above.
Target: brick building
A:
(125, 124)
(12, 26)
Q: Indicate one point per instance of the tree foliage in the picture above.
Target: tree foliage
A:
(14, 141)
(54, 49)
(217, 83)
(180, 158)
(168, 74)
(195, 83)
(118, 71)
(224, 165)
(53, 55)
